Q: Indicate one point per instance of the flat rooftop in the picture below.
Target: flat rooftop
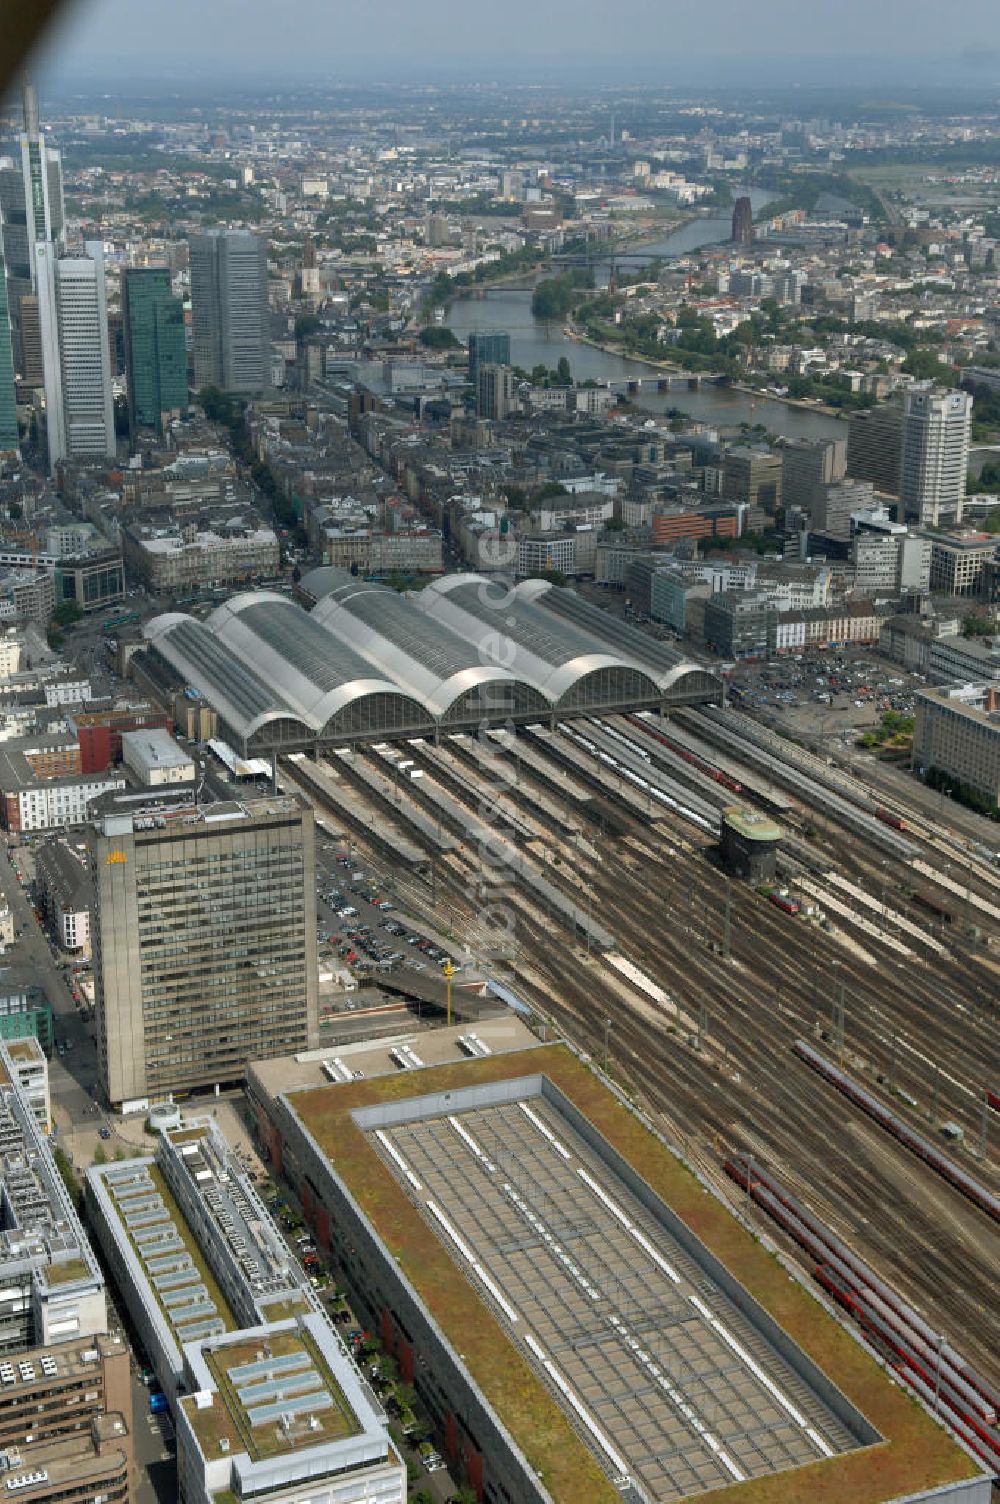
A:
(685, 1394)
(612, 1311)
(255, 1250)
(372, 1057)
(155, 748)
(751, 824)
(259, 1380)
(185, 1289)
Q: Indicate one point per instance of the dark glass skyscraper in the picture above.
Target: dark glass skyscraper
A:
(155, 354)
(743, 221)
(487, 347)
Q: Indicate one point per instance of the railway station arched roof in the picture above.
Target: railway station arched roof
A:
(570, 665)
(322, 678)
(419, 650)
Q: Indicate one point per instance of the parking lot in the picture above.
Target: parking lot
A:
(826, 699)
(360, 934)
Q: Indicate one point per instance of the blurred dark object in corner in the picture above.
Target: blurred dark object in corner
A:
(20, 30)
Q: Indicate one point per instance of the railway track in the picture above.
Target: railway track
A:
(659, 895)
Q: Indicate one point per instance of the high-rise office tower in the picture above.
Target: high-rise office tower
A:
(73, 318)
(204, 934)
(229, 311)
(934, 453)
(31, 206)
(743, 221)
(495, 391)
(487, 347)
(873, 445)
(8, 400)
(807, 465)
(155, 354)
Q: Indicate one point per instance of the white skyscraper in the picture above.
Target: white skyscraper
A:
(73, 316)
(934, 453)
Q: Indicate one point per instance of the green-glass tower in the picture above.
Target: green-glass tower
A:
(155, 354)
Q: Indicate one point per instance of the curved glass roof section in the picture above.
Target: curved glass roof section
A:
(325, 578)
(313, 670)
(411, 646)
(515, 633)
(510, 614)
(241, 697)
(625, 639)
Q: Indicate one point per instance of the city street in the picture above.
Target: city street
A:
(73, 1075)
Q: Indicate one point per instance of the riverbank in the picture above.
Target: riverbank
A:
(670, 368)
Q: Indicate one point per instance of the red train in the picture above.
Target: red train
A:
(930, 1365)
(907, 1136)
(888, 818)
(780, 901)
(686, 754)
(993, 1098)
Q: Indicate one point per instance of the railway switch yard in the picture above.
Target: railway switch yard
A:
(828, 1036)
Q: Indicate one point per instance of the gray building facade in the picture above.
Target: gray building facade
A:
(229, 311)
(204, 941)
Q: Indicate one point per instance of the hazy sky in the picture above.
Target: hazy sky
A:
(777, 40)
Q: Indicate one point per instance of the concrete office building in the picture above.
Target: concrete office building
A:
(155, 352)
(958, 562)
(66, 1423)
(31, 210)
(934, 454)
(753, 476)
(741, 624)
(487, 347)
(204, 941)
(51, 1287)
(496, 390)
(229, 311)
(874, 439)
(266, 1402)
(73, 317)
(834, 505)
(27, 1064)
(807, 465)
(958, 732)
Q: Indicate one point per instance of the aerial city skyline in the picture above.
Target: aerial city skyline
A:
(500, 767)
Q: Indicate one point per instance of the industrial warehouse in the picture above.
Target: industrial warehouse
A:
(581, 1318)
(369, 663)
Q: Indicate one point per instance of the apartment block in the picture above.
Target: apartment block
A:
(65, 893)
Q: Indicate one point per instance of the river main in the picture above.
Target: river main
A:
(534, 342)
